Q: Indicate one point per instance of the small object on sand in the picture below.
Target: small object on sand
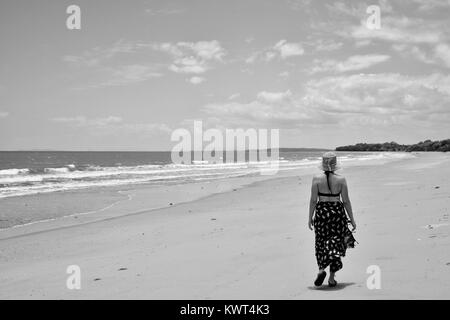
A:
(171, 204)
(213, 219)
(429, 226)
(437, 187)
(122, 269)
(447, 264)
(234, 189)
(97, 279)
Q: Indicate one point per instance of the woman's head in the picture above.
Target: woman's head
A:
(329, 162)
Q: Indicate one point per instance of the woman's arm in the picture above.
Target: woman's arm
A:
(347, 203)
(312, 202)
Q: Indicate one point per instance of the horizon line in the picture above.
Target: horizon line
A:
(61, 150)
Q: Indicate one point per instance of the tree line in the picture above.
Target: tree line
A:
(427, 145)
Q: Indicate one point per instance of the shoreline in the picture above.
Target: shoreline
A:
(93, 204)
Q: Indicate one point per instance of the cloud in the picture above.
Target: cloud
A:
(386, 98)
(353, 63)
(3, 114)
(192, 57)
(82, 121)
(326, 45)
(399, 30)
(437, 55)
(426, 5)
(349, 100)
(442, 51)
(286, 49)
(109, 66)
(415, 52)
(274, 97)
(112, 125)
(100, 55)
(128, 74)
(234, 96)
(196, 80)
(164, 11)
(284, 74)
(281, 50)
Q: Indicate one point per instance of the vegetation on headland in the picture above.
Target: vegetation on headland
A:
(427, 145)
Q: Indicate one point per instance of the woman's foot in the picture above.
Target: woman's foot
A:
(320, 277)
(331, 281)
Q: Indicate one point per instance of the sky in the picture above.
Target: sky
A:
(138, 70)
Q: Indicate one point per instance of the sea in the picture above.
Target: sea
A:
(33, 172)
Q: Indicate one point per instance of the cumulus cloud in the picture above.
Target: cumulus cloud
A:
(193, 57)
(400, 30)
(196, 80)
(286, 49)
(442, 51)
(234, 96)
(426, 5)
(281, 50)
(274, 97)
(109, 66)
(438, 54)
(353, 63)
(353, 100)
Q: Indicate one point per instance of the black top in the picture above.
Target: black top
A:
(327, 173)
(329, 194)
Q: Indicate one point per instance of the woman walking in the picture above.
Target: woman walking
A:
(327, 214)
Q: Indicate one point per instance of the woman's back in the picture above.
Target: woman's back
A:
(332, 186)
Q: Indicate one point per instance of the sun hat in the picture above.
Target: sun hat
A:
(329, 162)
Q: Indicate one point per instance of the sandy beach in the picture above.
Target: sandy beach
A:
(226, 240)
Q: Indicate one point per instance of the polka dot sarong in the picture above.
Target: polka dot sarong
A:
(333, 236)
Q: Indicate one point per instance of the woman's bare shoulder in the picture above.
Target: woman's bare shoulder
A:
(341, 178)
(318, 177)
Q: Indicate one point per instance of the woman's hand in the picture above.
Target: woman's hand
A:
(310, 224)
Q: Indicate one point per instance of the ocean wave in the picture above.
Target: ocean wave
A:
(27, 181)
(13, 172)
